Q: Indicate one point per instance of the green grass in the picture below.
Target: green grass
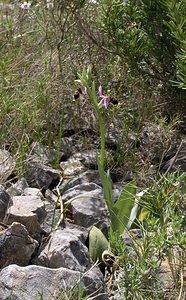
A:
(162, 239)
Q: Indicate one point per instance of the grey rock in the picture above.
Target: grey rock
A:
(17, 188)
(32, 282)
(67, 145)
(16, 246)
(72, 167)
(34, 192)
(79, 162)
(52, 216)
(116, 136)
(81, 232)
(89, 176)
(42, 154)
(87, 189)
(132, 235)
(7, 164)
(51, 196)
(64, 249)
(89, 208)
(53, 209)
(28, 210)
(127, 238)
(41, 176)
(5, 203)
(113, 137)
(153, 142)
(90, 211)
(87, 158)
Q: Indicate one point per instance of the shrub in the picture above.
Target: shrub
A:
(150, 38)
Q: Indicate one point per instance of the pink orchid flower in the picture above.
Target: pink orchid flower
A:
(104, 98)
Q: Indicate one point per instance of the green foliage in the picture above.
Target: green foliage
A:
(162, 243)
(36, 78)
(181, 69)
(123, 212)
(97, 244)
(147, 35)
(124, 205)
(163, 199)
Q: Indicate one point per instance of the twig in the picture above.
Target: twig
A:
(182, 283)
(172, 163)
(61, 206)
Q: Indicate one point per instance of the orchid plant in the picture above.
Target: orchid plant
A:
(124, 210)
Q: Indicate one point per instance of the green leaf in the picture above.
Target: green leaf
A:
(98, 243)
(124, 205)
(143, 214)
(107, 190)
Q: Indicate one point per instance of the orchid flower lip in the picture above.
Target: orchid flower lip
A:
(78, 81)
(82, 85)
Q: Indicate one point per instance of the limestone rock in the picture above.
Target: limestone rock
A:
(72, 167)
(34, 192)
(7, 164)
(34, 282)
(81, 232)
(113, 137)
(66, 146)
(64, 249)
(17, 188)
(89, 208)
(28, 210)
(16, 246)
(42, 154)
(5, 203)
(86, 189)
(41, 175)
(153, 142)
(89, 176)
(52, 216)
(87, 158)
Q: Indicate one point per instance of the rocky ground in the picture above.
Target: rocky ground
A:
(44, 234)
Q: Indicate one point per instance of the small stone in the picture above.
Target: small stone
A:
(72, 167)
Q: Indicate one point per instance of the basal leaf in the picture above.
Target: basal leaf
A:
(98, 243)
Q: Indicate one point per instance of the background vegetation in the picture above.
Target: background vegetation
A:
(137, 50)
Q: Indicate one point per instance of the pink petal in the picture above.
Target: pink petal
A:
(100, 91)
(106, 101)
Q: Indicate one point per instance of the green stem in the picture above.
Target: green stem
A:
(85, 79)
(102, 135)
(101, 124)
